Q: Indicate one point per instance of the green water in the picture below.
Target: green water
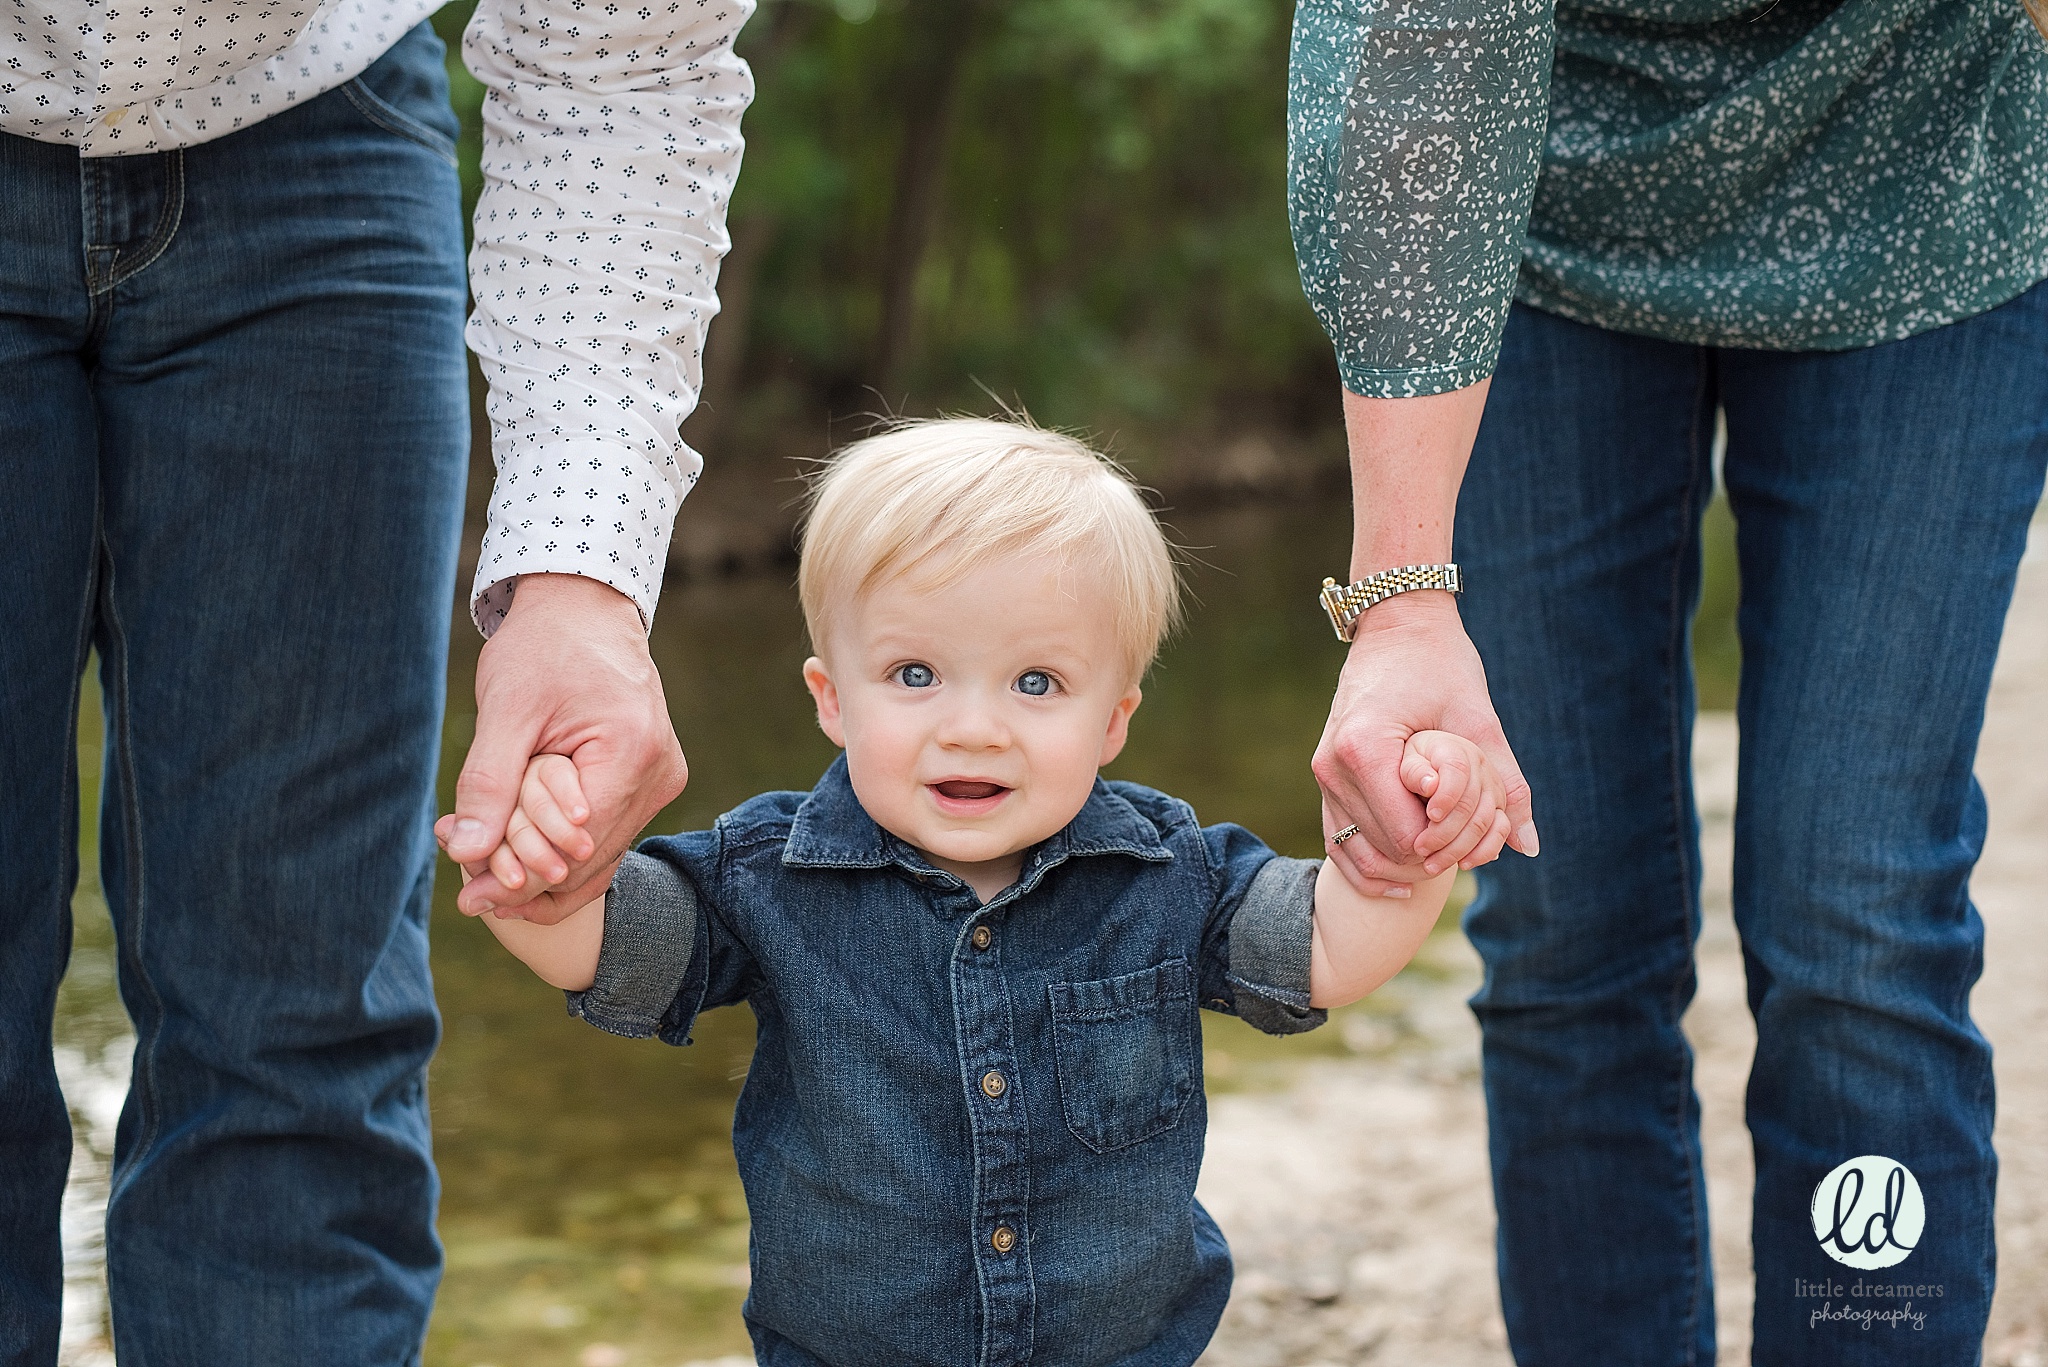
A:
(591, 1208)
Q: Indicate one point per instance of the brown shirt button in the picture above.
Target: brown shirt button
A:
(1003, 1239)
(983, 937)
(992, 1084)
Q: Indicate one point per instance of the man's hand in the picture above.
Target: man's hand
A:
(567, 674)
(1411, 669)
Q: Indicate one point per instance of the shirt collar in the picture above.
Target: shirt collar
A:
(833, 831)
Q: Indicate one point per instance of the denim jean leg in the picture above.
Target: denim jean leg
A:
(281, 399)
(1883, 498)
(48, 538)
(1578, 526)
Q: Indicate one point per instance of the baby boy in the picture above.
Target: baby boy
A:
(974, 1119)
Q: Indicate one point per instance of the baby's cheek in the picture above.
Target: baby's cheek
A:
(880, 781)
(1064, 785)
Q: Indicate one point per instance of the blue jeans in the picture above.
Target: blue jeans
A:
(1882, 499)
(233, 420)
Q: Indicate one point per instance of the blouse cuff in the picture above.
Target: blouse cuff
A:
(1370, 383)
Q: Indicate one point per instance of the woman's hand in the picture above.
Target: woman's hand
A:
(1411, 668)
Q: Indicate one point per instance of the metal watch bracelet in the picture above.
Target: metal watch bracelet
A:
(1345, 604)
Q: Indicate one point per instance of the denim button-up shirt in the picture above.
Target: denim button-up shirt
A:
(970, 1133)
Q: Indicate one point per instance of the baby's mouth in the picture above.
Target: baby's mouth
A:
(968, 790)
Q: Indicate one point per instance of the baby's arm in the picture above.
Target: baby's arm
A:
(1359, 942)
(563, 954)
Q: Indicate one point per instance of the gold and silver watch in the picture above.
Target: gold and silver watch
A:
(1347, 603)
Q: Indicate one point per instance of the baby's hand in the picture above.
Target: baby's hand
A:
(547, 825)
(564, 951)
(1468, 821)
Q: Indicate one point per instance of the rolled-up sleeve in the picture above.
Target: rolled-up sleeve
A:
(1415, 133)
(611, 144)
(1257, 943)
(1270, 940)
(653, 964)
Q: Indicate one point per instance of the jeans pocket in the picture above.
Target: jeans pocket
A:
(393, 120)
(1126, 1051)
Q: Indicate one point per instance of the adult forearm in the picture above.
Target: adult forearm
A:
(1411, 667)
(594, 278)
(1415, 138)
(1408, 458)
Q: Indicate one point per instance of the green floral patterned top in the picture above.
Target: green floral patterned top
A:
(1798, 175)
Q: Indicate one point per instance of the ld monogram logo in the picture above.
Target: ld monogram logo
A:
(1868, 1212)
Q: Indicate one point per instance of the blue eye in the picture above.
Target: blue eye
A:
(916, 676)
(1036, 682)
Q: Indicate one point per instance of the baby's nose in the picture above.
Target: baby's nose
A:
(973, 726)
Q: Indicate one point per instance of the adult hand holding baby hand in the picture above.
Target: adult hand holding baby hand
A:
(1463, 795)
(567, 673)
(1411, 669)
(548, 820)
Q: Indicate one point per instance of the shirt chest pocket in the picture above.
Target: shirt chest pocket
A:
(1127, 1053)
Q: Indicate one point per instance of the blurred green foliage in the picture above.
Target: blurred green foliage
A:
(1716, 649)
(1078, 205)
(1073, 205)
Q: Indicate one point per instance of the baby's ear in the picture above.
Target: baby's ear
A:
(826, 696)
(1120, 725)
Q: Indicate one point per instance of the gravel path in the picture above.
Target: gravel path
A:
(1357, 1199)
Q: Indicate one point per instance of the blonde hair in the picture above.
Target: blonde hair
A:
(948, 495)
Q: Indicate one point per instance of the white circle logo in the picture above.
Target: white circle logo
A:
(1868, 1212)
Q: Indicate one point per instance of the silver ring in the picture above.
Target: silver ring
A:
(1344, 835)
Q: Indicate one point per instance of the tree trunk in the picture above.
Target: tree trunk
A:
(940, 37)
(753, 233)
(725, 351)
